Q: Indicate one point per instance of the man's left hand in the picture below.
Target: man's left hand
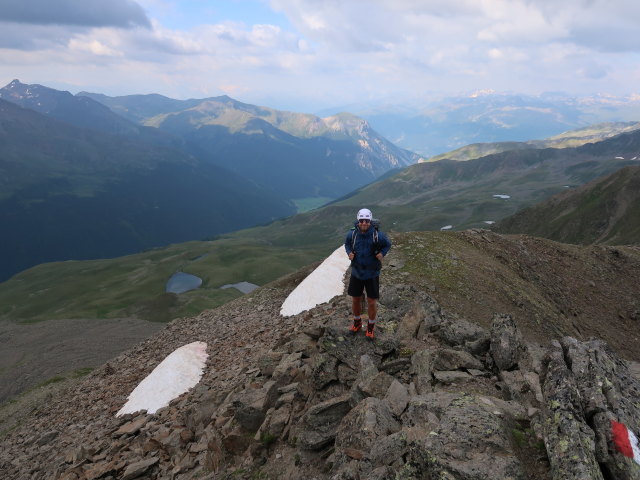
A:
(380, 256)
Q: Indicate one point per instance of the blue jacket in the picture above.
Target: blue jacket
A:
(365, 265)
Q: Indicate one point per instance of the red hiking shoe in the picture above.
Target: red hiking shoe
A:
(369, 332)
(356, 327)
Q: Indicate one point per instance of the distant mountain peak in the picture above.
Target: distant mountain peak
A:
(482, 93)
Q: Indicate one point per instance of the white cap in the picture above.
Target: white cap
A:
(364, 213)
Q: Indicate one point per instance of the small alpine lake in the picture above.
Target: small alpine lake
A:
(181, 282)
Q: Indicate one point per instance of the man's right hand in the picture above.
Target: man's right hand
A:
(352, 256)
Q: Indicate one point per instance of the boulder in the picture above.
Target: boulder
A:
(586, 388)
(460, 436)
(288, 369)
(507, 345)
(447, 359)
(348, 348)
(317, 427)
(408, 326)
(370, 420)
(397, 397)
(376, 386)
(268, 362)
(458, 332)
(421, 368)
(452, 377)
(252, 404)
(569, 440)
(387, 450)
(138, 469)
(324, 370)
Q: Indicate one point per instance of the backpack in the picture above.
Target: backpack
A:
(375, 223)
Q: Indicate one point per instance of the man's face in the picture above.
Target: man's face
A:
(364, 224)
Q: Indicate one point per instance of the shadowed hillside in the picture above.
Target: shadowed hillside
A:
(604, 211)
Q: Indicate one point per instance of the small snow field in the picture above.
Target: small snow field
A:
(446, 227)
(176, 374)
(320, 286)
(504, 197)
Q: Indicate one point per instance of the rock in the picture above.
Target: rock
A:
(315, 332)
(101, 469)
(236, 442)
(447, 359)
(138, 469)
(453, 377)
(569, 440)
(346, 374)
(198, 416)
(362, 426)
(302, 343)
(387, 450)
(397, 397)
(324, 370)
(421, 368)
(252, 404)
(393, 367)
(132, 427)
(506, 342)
(77, 455)
(346, 348)
(318, 426)
(452, 435)
(376, 386)
(408, 326)
(47, 437)
(268, 362)
(354, 453)
(456, 331)
(287, 369)
(277, 421)
(515, 384)
(382, 473)
(586, 387)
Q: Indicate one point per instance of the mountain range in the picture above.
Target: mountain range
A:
(297, 155)
(80, 181)
(441, 125)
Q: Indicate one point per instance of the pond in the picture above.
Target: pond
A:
(181, 282)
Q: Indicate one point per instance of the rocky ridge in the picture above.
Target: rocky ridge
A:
(433, 396)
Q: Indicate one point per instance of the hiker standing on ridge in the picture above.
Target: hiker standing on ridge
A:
(366, 247)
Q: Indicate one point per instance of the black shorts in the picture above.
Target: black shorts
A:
(357, 286)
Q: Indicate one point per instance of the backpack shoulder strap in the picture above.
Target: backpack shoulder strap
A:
(354, 232)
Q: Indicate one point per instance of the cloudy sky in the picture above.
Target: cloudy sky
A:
(314, 54)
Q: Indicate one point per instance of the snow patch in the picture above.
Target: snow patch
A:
(244, 287)
(502, 196)
(489, 222)
(619, 158)
(320, 286)
(176, 374)
(446, 227)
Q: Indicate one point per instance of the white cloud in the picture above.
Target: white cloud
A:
(338, 52)
(88, 13)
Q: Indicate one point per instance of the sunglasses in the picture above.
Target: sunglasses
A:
(364, 220)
